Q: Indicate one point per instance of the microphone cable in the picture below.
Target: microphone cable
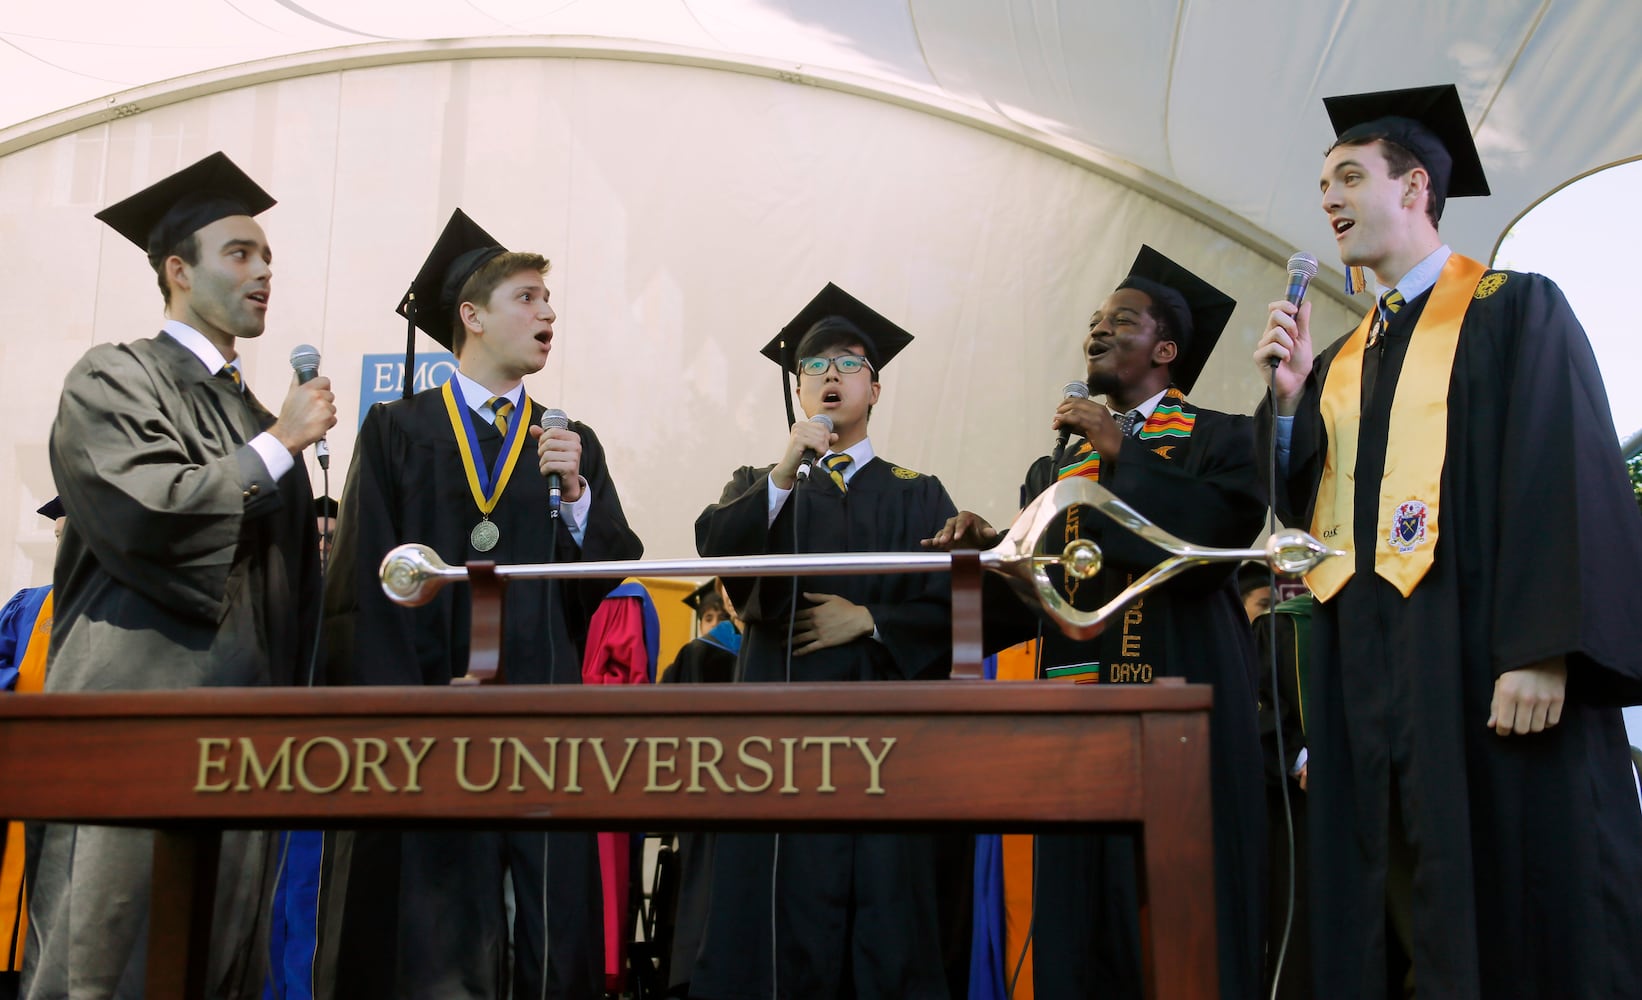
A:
(775, 854)
(553, 613)
(1276, 692)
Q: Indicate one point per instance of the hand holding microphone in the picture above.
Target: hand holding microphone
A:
(809, 440)
(559, 451)
(309, 409)
(1072, 390)
(1285, 349)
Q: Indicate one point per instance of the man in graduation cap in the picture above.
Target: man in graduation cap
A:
(447, 467)
(853, 915)
(1191, 470)
(1468, 773)
(189, 559)
(711, 655)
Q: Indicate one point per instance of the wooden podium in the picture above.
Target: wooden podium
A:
(981, 756)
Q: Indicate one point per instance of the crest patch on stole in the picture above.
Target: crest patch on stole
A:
(1490, 283)
(901, 473)
(1163, 451)
(1408, 526)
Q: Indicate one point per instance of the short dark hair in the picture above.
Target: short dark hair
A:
(1160, 315)
(188, 248)
(1399, 160)
(830, 334)
(482, 283)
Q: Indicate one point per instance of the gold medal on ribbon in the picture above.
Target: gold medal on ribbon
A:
(486, 485)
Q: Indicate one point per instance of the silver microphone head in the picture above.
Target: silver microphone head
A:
(554, 419)
(1303, 265)
(305, 358)
(823, 420)
(1074, 390)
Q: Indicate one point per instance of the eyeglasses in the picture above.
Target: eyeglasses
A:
(847, 364)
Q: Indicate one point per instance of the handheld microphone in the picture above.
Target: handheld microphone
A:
(1072, 390)
(810, 457)
(554, 420)
(305, 362)
(1302, 268)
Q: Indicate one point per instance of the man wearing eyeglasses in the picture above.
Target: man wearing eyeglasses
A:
(847, 914)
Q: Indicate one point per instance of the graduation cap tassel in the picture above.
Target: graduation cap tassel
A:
(786, 390)
(410, 345)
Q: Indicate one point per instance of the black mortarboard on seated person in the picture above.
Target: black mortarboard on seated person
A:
(1198, 311)
(165, 213)
(326, 507)
(696, 597)
(834, 311)
(1428, 122)
(431, 302)
(52, 509)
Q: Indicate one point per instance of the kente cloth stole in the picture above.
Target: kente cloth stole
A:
(1410, 488)
(1169, 420)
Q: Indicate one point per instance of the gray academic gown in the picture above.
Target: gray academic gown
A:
(183, 564)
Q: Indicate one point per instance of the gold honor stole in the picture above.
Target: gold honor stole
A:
(1411, 486)
(1169, 420)
(485, 484)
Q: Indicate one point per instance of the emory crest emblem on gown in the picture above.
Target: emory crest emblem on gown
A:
(1490, 283)
(901, 473)
(1408, 526)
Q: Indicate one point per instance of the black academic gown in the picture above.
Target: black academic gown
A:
(699, 662)
(422, 912)
(1528, 881)
(856, 914)
(1204, 489)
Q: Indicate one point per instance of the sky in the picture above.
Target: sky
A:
(1581, 237)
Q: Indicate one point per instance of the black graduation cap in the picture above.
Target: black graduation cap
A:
(696, 597)
(326, 507)
(1199, 310)
(835, 311)
(52, 509)
(1427, 121)
(165, 213)
(462, 249)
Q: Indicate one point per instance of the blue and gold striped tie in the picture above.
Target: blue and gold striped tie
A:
(231, 373)
(503, 408)
(836, 464)
(1390, 304)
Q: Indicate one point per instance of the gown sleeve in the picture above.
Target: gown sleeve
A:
(1569, 577)
(157, 521)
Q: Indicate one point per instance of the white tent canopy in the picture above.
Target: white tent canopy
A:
(1221, 99)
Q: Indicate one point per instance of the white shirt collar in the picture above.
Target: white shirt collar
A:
(201, 348)
(1420, 277)
(476, 396)
(860, 454)
(1144, 409)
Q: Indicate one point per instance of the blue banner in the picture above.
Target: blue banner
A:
(381, 377)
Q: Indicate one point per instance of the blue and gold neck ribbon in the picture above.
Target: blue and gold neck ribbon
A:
(486, 484)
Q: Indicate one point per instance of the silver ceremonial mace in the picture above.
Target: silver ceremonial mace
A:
(411, 574)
